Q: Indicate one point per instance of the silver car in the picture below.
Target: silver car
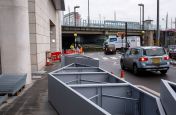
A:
(148, 58)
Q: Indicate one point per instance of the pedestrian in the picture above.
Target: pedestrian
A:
(72, 46)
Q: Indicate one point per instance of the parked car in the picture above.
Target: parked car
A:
(148, 58)
(109, 48)
(172, 53)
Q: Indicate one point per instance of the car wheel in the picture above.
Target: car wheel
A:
(122, 65)
(163, 71)
(135, 69)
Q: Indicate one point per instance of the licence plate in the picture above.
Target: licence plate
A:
(156, 60)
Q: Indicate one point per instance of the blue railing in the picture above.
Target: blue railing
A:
(109, 24)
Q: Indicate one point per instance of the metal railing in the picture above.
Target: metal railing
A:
(109, 24)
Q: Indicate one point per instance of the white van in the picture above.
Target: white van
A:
(133, 41)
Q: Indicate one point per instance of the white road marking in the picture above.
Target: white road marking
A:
(115, 63)
(96, 58)
(113, 58)
(105, 58)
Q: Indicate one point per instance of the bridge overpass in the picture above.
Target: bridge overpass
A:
(104, 27)
(107, 27)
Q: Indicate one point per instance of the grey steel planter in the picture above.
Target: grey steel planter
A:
(71, 90)
(121, 99)
(79, 69)
(78, 59)
(10, 84)
(66, 101)
(168, 96)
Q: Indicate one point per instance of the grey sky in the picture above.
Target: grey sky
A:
(127, 10)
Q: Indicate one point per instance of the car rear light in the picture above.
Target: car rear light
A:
(166, 58)
(143, 59)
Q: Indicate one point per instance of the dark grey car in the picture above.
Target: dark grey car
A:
(149, 58)
(109, 48)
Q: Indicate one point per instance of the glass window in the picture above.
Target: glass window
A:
(112, 39)
(154, 52)
(135, 51)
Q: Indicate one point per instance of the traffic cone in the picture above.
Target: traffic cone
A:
(122, 74)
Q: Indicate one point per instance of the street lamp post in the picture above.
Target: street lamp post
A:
(75, 34)
(88, 20)
(142, 5)
(75, 13)
(158, 32)
(142, 37)
(140, 18)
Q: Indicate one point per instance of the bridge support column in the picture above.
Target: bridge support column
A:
(148, 38)
(14, 37)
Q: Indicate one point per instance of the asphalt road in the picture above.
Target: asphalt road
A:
(150, 80)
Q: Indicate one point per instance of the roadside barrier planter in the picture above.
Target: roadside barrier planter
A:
(168, 96)
(85, 89)
(79, 59)
(11, 84)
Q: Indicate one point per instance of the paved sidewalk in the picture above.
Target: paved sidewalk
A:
(33, 101)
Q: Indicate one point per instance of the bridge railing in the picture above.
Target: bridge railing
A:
(109, 24)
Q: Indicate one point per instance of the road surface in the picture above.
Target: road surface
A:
(151, 80)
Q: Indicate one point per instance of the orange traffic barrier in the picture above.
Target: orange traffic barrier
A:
(55, 56)
(81, 50)
(72, 51)
(52, 57)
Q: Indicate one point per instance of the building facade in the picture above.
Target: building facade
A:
(168, 37)
(69, 19)
(29, 29)
(45, 31)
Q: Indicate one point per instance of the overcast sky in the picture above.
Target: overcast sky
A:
(126, 10)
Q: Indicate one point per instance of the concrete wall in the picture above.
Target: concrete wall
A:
(14, 37)
(41, 14)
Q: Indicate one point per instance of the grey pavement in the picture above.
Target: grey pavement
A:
(33, 101)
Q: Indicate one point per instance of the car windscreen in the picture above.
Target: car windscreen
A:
(154, 52)
(113, 39)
